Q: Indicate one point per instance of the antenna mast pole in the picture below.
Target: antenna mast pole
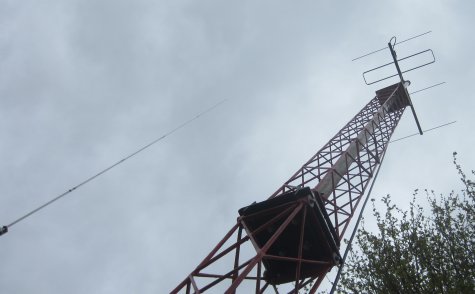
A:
(393, 54)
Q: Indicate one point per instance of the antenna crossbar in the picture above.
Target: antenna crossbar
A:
(379, 50)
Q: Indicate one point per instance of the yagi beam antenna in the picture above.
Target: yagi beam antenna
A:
(376, 51)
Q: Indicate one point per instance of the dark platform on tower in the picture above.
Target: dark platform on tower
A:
(400, 100)
(319, 246)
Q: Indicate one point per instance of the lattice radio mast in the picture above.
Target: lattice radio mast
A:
(294, 236)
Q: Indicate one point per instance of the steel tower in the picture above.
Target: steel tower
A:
(294, 236)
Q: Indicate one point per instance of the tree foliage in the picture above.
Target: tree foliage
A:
(421, 250)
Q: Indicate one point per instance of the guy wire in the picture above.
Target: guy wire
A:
(4, 229)
(360, 216)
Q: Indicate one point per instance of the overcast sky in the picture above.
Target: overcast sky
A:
(84, 83)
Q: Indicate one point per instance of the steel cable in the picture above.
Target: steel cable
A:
(4, 229)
